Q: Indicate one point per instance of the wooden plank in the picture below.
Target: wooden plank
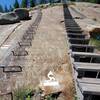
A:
(89, 86)
(85, 54)
(78, 39)
(82, 48)
(75, 31)
(79, 45)
(87, 67)
(73, 28)
(89, 80)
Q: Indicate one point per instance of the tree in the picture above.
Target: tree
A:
(42, 1)
(24, 4)
(51, 1)
(32, 3)
(1, 9)
(6, 9)
(11, 8)
(16, 4)
(98, 1)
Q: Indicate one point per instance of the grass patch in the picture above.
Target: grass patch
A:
(95, 42)
(22, 93)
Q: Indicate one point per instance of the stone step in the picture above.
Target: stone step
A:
(20, 52)
(12, 69)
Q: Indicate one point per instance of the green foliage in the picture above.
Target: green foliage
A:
(1, 9)
(22, 93)
(24, 4)
(95, 40)
(51, 1)
(6, 9)
(32, 3)
(92, 1)
(16, 4)
(43, 2)
(11, 8)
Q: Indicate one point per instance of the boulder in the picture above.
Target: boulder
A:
(93, 28)
(22, 13)
(8, 18)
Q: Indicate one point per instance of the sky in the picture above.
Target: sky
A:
(7, 2)
(10, 2)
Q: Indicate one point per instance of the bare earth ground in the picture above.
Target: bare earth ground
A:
(48, 53)
(92, 13)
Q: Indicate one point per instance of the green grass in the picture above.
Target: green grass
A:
(21, 93)
(95, 42)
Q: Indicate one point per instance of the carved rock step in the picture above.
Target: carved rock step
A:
(20, 52)
(25, 44)
(12, 69)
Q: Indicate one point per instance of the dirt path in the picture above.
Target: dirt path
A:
(49, 53)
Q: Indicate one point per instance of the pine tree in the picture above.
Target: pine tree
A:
(11, 8)
(6, 9)
(51, 1)
(32, 3)
(16, 4)
(1, 9)
(42, 1)
(24, 4)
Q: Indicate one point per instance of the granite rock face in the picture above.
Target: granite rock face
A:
(8, 18)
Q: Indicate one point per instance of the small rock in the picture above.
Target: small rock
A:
(22, 13)
(93, 28)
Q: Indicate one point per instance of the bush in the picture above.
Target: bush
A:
(22, 93)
